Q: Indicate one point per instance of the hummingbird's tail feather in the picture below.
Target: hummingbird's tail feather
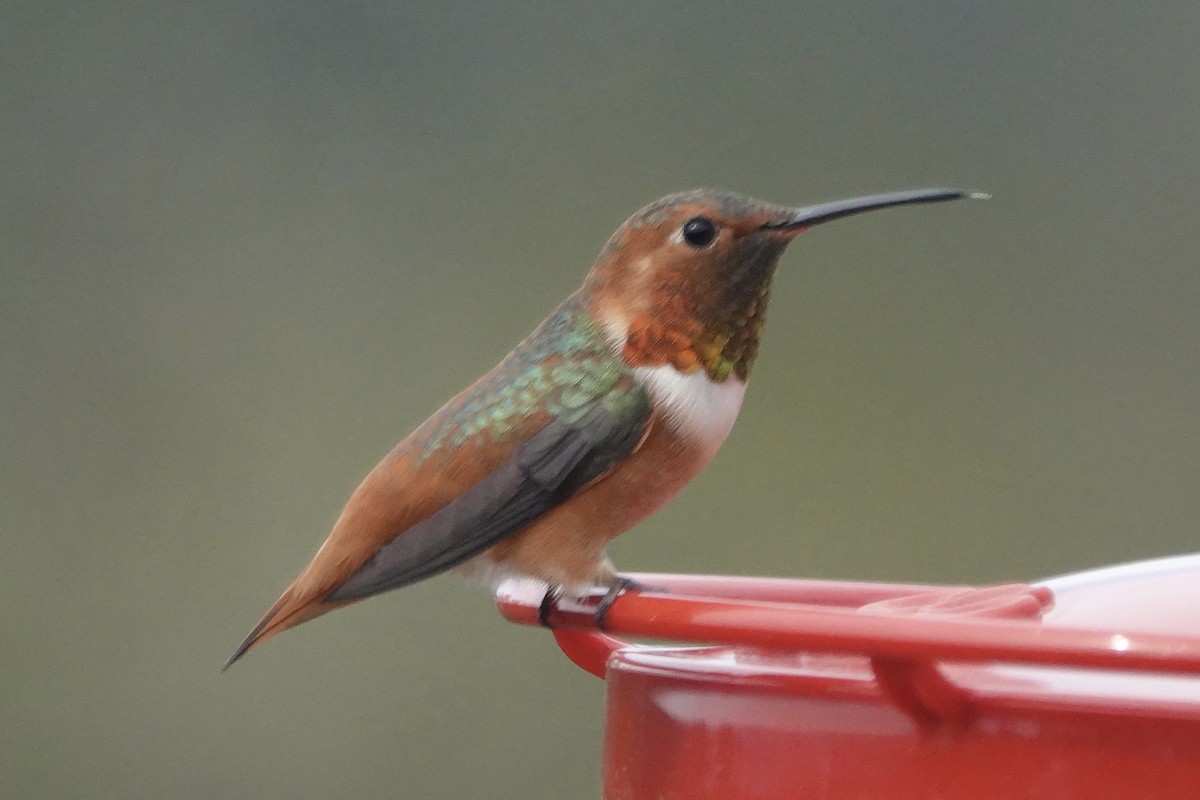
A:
(288, 611)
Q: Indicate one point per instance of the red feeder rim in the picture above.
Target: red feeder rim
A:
(1132, 618)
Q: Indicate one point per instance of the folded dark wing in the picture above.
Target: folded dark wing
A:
(544, 471)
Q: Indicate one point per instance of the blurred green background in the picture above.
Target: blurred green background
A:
(246, 248)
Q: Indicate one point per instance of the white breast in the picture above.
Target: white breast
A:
(693, 404)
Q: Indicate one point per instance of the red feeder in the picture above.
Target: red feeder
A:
(1080, 687)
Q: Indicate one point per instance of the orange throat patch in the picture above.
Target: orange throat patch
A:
(722, 342)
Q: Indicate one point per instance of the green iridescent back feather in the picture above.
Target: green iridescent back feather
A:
(559, 370)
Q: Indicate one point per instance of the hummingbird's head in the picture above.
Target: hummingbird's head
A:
(685, 280)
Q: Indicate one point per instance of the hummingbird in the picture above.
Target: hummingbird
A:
(590, 425)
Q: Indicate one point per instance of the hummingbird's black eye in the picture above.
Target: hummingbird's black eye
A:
(699, 232)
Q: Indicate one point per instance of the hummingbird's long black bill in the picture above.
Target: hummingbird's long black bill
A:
(808, 216)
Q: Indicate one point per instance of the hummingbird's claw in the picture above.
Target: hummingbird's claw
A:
(619, 586)
(547, 604)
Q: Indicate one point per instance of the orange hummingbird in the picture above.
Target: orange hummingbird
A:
(590, 425)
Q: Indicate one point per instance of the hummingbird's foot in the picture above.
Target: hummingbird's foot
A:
(618, 587)
(553, 592)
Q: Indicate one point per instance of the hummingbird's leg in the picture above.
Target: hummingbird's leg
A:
(553, 592)
(619, 585)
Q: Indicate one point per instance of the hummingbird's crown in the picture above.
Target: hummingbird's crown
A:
(725, 202)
